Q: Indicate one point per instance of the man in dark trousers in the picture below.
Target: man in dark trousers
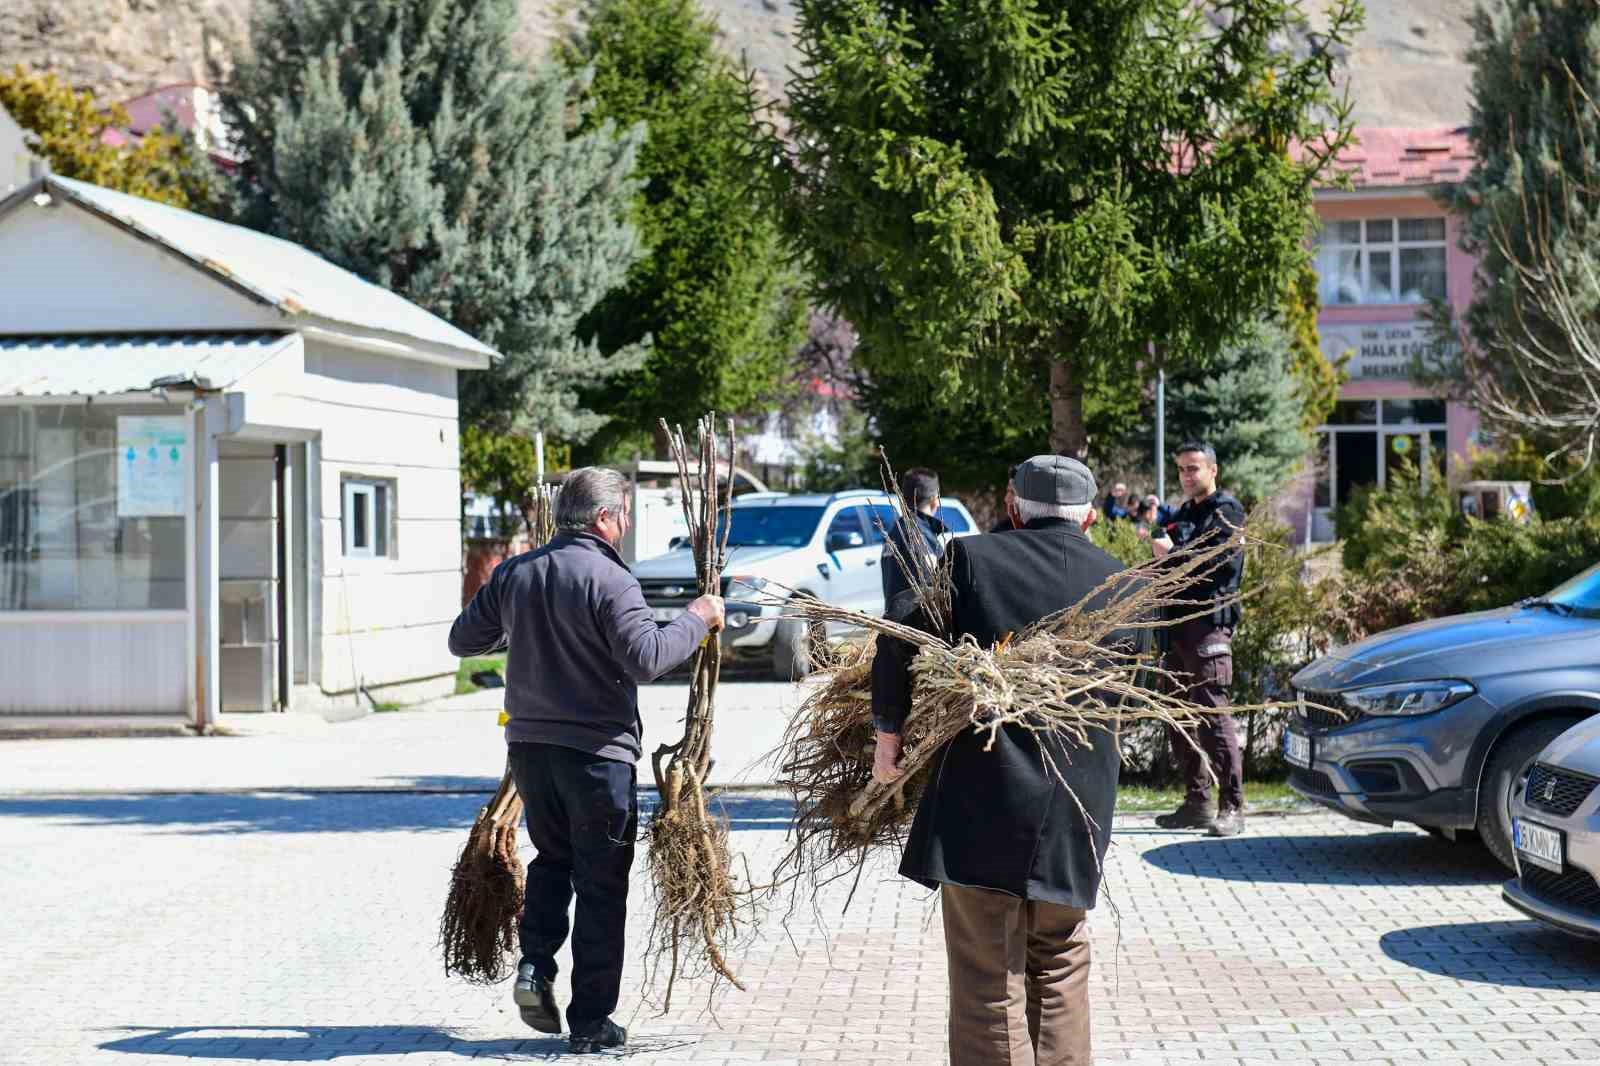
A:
(1202, 648)
(580, 639)
(922, 549)
(1015, 858)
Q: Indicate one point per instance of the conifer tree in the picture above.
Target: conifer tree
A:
(715, 292)
(407, 141)
(1013, 200)
(1245, 404)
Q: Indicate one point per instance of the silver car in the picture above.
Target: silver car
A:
(1555, 818)
(1435, 723)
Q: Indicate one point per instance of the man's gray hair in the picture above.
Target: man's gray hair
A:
(1072, 512)
(585, 493)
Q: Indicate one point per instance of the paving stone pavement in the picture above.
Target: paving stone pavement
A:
(291, 926)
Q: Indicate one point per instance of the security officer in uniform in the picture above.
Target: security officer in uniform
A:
(1201, 654)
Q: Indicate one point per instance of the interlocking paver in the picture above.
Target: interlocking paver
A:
(283, 926)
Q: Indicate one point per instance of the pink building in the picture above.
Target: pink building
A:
(1386, 247)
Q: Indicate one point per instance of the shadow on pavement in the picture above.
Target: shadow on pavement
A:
(1376, 858)
(325, 1043)
(259, 812)
(1519, 953)
(206, 814)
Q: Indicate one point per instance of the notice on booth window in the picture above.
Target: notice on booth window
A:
(152, 456)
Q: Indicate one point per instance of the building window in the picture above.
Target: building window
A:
(1381, 261)
(92, 507)
(367, 518)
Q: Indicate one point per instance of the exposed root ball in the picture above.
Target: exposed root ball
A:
(695, 896)
(478, 929)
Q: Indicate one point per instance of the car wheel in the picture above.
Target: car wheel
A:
(1508, 764)
(794, 648)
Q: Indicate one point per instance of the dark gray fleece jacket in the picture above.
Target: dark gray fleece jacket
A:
(579, 639)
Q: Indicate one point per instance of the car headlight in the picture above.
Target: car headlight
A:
(744, 586)
(1412, 697)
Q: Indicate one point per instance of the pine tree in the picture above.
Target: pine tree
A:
(1245, 405)
(69, 127)
(715, 292)
(1015, 200)
(406, 141)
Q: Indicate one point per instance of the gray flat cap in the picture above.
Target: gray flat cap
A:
(1054, 479)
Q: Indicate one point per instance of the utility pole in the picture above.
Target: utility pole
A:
(1161, 434)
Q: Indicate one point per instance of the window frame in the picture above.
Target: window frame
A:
(379, 513)
(1365, 249)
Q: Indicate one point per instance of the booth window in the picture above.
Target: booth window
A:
(1382, 261)
(367, 518)
(92, 505)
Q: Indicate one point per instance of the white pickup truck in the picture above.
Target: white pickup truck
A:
(826, 547)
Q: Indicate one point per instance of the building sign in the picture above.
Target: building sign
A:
(1380, 351)
(152, 457)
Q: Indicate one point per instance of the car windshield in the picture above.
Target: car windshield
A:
(953, 520)
(772, 527)
(1581, 593)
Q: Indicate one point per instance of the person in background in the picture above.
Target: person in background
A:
(1144, 518)
(919, 487)
(1117, 502)
(1201, 656)
(1162, 513)
(579, 640)
(1005, 517)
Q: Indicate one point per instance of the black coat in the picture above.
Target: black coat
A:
(931, 532)
(998, 819)
(1211, 521)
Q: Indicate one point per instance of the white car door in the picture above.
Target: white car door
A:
(853, 560)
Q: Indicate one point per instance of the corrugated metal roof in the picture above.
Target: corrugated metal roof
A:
(286, 275)
(104, 364)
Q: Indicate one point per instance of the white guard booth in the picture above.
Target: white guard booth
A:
(229, 475)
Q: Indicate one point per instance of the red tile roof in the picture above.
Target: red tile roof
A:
(1390, 156)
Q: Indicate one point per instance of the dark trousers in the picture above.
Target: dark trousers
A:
(1202, 659)
(583, 815)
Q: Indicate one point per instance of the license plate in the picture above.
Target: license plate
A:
(1538, 844)
(665, 614)
(1297, 749)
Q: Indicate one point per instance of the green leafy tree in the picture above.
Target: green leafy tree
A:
(406, 141)
(68, 130)
(715, 293)
(1530, 361)
(1244, 403)
(1020, 198)
(505, 467)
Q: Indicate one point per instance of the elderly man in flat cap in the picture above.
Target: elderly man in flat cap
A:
(1015, 855)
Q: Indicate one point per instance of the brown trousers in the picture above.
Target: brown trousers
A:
(1201, 659)
(1019, 980)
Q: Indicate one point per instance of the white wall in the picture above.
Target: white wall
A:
(76, 273)
(382, 621)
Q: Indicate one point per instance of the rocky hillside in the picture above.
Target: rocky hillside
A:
(1406, 69)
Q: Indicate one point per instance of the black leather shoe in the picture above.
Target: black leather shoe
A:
(1188, 816)
(536, 1000)
(599, 1036)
